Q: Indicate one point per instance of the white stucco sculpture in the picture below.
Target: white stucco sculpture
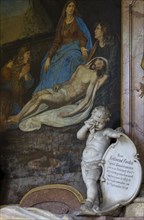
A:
(98, 140)
(105, 167)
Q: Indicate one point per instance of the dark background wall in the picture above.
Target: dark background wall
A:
(91, 10)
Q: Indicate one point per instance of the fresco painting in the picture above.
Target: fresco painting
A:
(83, 31)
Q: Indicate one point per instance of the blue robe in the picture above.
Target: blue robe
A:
(64, 62)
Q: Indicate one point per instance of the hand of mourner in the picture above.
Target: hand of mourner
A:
(84, 52)
(24, 71)
(47, 64)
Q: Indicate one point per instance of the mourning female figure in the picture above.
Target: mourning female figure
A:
(15, 81)
(107, 46)
(69, 49)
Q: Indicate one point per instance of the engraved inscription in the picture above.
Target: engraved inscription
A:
(119, 172)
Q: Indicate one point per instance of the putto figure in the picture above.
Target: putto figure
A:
(98, 140)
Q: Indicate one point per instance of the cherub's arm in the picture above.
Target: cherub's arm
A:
(109, 132)
(86, 129)
(82, 133)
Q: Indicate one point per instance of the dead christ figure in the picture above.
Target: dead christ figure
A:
(80, 85)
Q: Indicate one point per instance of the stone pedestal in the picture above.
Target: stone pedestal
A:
(135, 209)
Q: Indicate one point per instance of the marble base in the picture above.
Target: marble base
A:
(135, 209)
(108, 218)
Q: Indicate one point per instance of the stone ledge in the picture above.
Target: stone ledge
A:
(135, 209)
(105, 218)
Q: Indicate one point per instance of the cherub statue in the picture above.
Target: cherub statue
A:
(98, 140)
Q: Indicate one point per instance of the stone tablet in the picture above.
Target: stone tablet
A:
(122, 175)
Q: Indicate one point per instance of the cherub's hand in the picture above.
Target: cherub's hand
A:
(120, 129)
(90, 123)
(47, 64)
(116, 134)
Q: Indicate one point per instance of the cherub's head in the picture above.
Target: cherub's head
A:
(100, 116)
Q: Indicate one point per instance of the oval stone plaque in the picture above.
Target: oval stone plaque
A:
(122, 174)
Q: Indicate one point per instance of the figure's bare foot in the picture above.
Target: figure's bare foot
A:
(96, 208)
(87, 206)
(86, 209)
(13, 119)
